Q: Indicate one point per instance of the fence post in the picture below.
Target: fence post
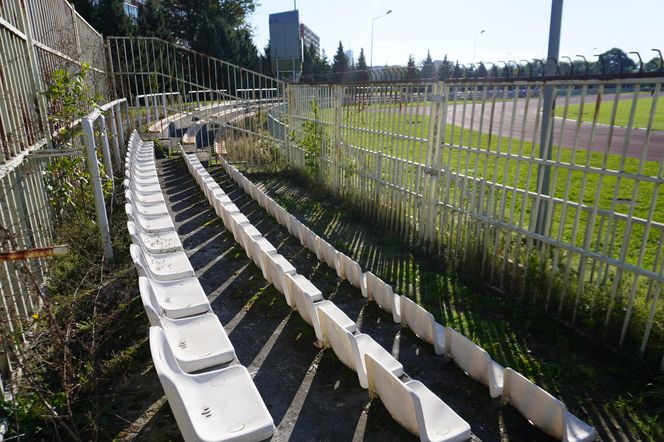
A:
(287, 124)
(116, 142)
(546, 137)
(95, 181)
(35, 73)
(120, 128)
(378, 185)
(433, 166)
(338, 106)
(139, 119)
(105, 147)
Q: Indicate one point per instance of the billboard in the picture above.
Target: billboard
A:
(285, 35)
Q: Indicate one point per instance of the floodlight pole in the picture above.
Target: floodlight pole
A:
(546, 137)
(373, 20)
(475, 43)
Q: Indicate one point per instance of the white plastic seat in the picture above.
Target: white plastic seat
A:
(219, 204)
(197, 342)
(260, 249)
(422, 323)
(474, 360)
(148, 211)
(142, 180)
(145, 175)
(247, 235)
(263, 200)
(293, 226)
(338, 331)
(227, 211)
(543, 410)
(164, 242)
(350, 270)
(271, 207)
(146, 188)
(308, 238)
(254, 191)
(304, 297)
(148, 199)
(326, 252)
(153, 224)
(219, 405)
(281, 215)
(375, 289)
(414, 406)
(275, 269)
(162, 267)
(237, 221)
(175, 299)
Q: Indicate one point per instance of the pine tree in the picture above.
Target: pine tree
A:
(412, 70)
(152, 21)
(111, 19)
(321, 64)
(362, 61)
(428, 68)
(308, 60)
(340, 63)
(444, 70)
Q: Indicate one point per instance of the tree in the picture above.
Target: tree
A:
(445, 69)
(362, 61)
(654, 65)
(308, 60)
(321, 64)
(362, 73)
(111, 19)
(266, 60)
(340, 63)
(428, 68)
(614, 61)
(152, 21)
(412, 70)
(481, 70)
(457, 72)
(215, 27)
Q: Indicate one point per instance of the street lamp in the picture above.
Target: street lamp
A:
(372, 32)
(475, 43)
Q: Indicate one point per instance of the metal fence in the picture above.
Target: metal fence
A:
(36, 38)
(570, 218)
(162, 79)
(563, 211)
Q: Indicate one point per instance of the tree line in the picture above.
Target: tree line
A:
(218, 28)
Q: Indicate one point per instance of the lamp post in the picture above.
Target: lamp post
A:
(373, 20)
(475, 43)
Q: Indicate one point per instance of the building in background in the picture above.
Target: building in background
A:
(351, 56)
(288, 38)
(131, 7)
(309, 38)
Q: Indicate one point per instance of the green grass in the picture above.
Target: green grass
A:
(488, 173)
(614, 194)
(623, 112)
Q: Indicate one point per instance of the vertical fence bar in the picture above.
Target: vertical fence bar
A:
(95, 182)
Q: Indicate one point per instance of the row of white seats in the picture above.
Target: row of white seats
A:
(470, 357)
(185, 336)
(414, 406)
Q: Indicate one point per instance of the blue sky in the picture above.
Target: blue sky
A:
(514, 29)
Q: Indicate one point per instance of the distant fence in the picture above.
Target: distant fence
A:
(37, 37)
